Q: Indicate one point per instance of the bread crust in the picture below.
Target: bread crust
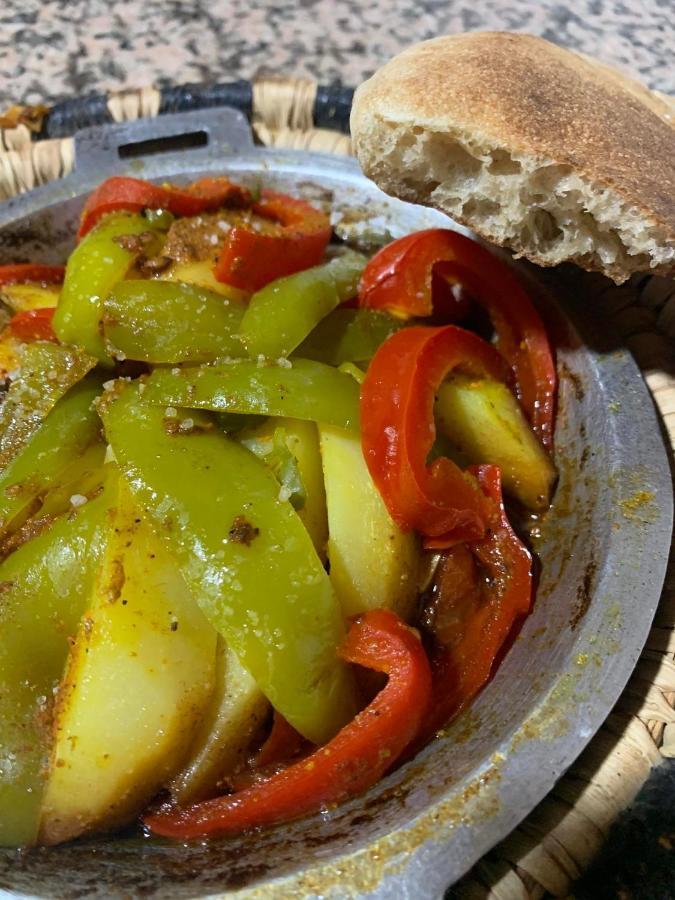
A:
(526, 95)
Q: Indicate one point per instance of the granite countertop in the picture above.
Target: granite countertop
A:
(51, 49)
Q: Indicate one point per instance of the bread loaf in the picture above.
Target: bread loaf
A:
(534, 147)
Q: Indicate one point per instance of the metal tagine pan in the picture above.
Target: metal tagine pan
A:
(603, 549)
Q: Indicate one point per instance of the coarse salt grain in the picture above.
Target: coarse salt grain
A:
(186, 425)
(109, 385)
(284, 493)
(78, 500)
(213, 239)
(284, 363)
(171, 412)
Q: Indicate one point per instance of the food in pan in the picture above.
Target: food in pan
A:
(255, 551)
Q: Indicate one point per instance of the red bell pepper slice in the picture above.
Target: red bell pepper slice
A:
(439, 500)
(133, 195)
(476, 611)
(251, 259)
(25, 273)
(33, 325)
(349, 764)
(399, 279)
(283, 742)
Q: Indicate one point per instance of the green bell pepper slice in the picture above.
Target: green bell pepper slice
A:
(245, 555)
(302, 389)
(281, 315)
(63, 436)
(45, 586)
(170, 322)
(94, 268)
(273, 450)
(47, 372)
(349, 335)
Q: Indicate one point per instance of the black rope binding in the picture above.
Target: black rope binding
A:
(69, 116)
(185, 98)
(331, 108)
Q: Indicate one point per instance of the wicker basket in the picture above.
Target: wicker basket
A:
(560, 838)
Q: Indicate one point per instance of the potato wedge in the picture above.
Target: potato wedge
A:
(21, 297)
(10, 353)
(483, 419)
(373, 563)
(138, 681)
(235, 716)
(201, 273)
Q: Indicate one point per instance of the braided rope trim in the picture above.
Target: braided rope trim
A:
(560, 838)
(283, 111)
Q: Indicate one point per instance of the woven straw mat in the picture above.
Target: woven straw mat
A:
(560, 838)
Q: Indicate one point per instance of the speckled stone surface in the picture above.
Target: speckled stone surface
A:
(50, 49)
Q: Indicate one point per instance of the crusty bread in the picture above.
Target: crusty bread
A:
(532, 146)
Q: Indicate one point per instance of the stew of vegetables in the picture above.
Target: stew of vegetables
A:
(254, 550)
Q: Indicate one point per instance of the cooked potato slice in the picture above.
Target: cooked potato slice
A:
(201, 273)
(10, 353)
(372, 562)
(234, 718)
(139, 678)
(20, 297)
(483, 420)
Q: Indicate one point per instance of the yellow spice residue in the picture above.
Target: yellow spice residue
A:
(636, 506)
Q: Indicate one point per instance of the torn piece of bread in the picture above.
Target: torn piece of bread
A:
(532, 146)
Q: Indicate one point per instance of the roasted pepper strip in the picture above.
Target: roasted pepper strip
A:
(251, 259)
(133, 195)
(169, 322)
(93, 270)
(33, 325)
(48, 371)
(301, 390)
(349, 764)
(45, 588)
(348, 335)
(476, 614)
(66, 432)
(23, 273)
(245, 554)
(439, 500)
(399, 279)
(281, 315)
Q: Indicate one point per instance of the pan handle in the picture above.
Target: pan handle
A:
(107, 148)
